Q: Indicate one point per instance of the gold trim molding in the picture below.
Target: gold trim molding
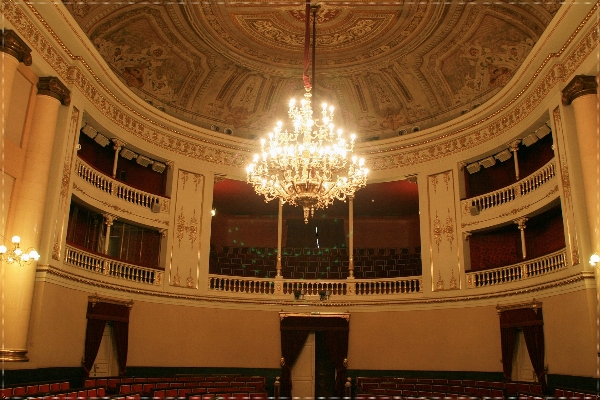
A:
(535, 305)
(97, 299)
(283, 315)
(8, 355)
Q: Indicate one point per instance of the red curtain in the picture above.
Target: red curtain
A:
(507, 338)
(292, 342)
(531, 321)
(93, 338)
(121, 331)
(295, 330)
(337, 346)
(534, 339)
(98, 314)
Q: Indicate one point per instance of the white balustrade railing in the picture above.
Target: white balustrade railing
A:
(314, 287)
(236, 284)
(120, 189)
(510, 193)
(307, 287)
(518, 272)
(114, 268)
(388, 286)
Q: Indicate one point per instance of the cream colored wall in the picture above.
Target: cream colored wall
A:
(466, 339)
(446, 339)
(570, 333)
(185, 336)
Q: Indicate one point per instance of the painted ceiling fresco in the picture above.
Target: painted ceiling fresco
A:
(385, 66)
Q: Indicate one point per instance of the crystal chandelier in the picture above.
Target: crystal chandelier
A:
(16, 254)
(312, 165)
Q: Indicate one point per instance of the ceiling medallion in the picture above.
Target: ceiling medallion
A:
(313, 165)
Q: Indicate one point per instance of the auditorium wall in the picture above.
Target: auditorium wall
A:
(458, 338)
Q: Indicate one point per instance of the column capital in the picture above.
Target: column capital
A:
(521, 222)
(53, 87)
(117, 144)
(579, 86)
(109, 219)
(514, 145)
(12, 44)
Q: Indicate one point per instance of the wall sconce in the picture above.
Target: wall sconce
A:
(16, 254)
(594, 259)
(213, 212)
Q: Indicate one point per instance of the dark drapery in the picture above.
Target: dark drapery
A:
(534, 339)
(93, 338)
(98, 314)
(531, 321)
(121, 332)
(507, 338)
(337, 346)
(295, 330)
(292, 342)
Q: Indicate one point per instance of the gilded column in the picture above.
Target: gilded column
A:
(12, 51)
(582, 93)
(117, 146)
(521, 224)
(109, 220)
(514, 147)
(28, 217)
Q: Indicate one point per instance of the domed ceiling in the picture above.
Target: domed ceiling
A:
(386, 66)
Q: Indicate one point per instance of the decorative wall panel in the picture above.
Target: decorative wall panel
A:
(185, 250)
(444, 242)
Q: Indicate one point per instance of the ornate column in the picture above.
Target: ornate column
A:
(521, 223)
(27, 220)
(117, 146)
(514, 146)
(13, 50)
(582, 93)
(109, 220)
(351, 236)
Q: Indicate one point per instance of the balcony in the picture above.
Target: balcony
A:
(130, 195)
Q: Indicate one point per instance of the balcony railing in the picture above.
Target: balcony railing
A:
(114, 268)
(540, 266)
(307, 287)
(120, 190)
(512, 192)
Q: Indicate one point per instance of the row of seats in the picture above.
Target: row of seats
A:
(249, 262)
(32, 389)
(307, 251)
(429, 387)
(145, 385)
(70, 394)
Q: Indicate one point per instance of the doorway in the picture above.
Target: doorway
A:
(522, 367)
(313, 374)
(105, 363)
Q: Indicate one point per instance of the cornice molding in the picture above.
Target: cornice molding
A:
(579, 86)
(266, 301)
(11, 43)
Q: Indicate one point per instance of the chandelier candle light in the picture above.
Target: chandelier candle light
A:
(16, 254)
(311, 166)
